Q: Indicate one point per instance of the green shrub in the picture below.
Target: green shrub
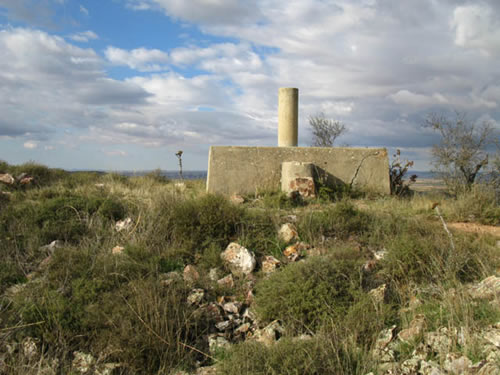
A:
(304, 294)
(341, 220)
(322, 355)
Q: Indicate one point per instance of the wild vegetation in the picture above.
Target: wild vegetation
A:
(106, 301)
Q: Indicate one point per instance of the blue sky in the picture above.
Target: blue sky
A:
(125, 84)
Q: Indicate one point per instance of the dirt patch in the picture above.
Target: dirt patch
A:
(476, 228)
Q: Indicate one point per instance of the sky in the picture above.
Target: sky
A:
(125, 84)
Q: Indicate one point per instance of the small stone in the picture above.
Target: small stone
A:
(7, 178)
(83, 362)
(415, 329)
(242, 328)
(226, 281)
(384, 338)
(288, 233)
(100, 186)
(190, 274)
(492, 335)
(117, 250)
(410, 366)
(123, 224)
(29, 348)
(440, 341)
(429, 368)
(224, 325)
(269, 334)
(269, 264)
(457, 364)
(232, 307)
(378, 294)
(180, 186)
(380, 254)
(216, 342)
(239, 260)
(488, 288)
(56, 244)
(26, 180)
(214, 274)
(250, 315)
(237, 199)
(195, 297)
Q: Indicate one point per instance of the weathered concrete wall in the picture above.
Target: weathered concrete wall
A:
(246, 170)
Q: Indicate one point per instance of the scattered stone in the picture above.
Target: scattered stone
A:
(492, 335)
(440, 341)
(415, 329)
(56, 244)
(237, 199)
(232, 307)
(488, 288)
(269, 334)
(429, 368)
(240, 260)
(26, 180)
(457, 364)
(83, 362)
(226, 281)
(99, 185)
(384, 338)
(29, 348)
(217, 342)
(125, 224)
(242, 329)
(6, 178)
(294, 252)
(410, 366)
(190, 274)
(224, 325)
(380, 254)
(117, 250)
(249, 315)
(378, 294)
(214, 274)
(195, 297)
(269, 264)
(288, 233)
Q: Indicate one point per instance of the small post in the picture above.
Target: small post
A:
(288, 117)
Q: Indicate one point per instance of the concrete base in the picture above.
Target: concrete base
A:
(248, 170)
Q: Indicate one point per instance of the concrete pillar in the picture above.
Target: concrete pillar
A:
(288, 117)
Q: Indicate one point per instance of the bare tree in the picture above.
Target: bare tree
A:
(325, 131)
(462, 153)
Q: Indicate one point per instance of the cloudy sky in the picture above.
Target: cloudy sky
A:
(124, 84)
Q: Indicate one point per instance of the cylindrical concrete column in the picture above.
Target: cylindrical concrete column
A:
(288, 117)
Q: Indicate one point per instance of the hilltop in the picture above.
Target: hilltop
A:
(108, 274)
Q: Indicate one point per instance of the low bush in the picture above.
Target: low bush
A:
(304, 294)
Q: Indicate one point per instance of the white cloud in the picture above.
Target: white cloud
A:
(115, 153)
(84, 36)
(142, 59)
(204, 11)
(84, 10)
(30, 145)
(477, 26)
